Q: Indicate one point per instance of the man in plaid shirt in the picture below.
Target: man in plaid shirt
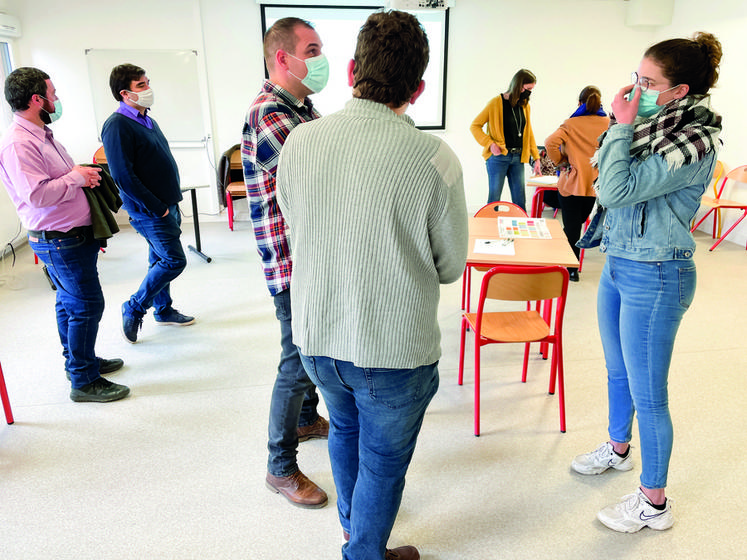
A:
(297, 68)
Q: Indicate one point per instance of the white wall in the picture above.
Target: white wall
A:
(568, 45)
(727, 19)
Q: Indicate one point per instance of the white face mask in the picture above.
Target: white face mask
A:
(144, 98)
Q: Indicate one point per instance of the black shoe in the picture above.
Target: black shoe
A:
(105, 366)
(100, 390)
(573, 275)
(131, 323)
(110, 366)
(173, 317)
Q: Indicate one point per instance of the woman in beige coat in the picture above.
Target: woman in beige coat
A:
(571, 148)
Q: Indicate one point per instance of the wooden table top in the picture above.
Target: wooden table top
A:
(528, 252)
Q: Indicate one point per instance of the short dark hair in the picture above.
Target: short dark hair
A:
(390, 58)
(693, 61)
(282, 35)
(520, 79)
(22, 84)
(121, 78)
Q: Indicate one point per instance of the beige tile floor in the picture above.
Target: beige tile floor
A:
(176, 471)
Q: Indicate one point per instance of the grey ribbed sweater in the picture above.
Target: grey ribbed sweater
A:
(377, 220)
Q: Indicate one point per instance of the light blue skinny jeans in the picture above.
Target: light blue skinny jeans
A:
(639, 309)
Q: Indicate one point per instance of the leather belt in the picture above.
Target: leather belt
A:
(36, 235)
(514, 150)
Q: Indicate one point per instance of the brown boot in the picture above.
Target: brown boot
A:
(399, 553)
(298, 490)
(402, 553)
(317, 430)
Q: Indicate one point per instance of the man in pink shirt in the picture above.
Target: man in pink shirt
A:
(46, 188)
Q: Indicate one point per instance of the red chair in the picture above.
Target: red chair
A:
(99, 157)
(519, 284)
(5, 399)
(492, 209)
(737, 175)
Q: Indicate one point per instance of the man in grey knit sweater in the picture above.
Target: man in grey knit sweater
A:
(377, 221)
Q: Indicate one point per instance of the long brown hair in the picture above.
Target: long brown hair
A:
(520, 79)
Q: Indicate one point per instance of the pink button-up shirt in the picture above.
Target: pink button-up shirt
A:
(38, 174)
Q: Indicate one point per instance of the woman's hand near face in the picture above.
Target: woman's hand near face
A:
(625, 111)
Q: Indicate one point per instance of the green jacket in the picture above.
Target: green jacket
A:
(104, 201)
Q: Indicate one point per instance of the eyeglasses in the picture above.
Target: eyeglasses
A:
(643, 83)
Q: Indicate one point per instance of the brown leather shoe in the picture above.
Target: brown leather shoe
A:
(399, 553)
(317, 430)
(402, 553)
(298, 490)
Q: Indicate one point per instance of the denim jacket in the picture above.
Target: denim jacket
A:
(649, 207)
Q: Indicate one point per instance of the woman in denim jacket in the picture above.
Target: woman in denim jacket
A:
(655, 161)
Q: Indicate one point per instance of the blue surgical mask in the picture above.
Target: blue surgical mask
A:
(317, 72)
(57, 111)
(647, 106)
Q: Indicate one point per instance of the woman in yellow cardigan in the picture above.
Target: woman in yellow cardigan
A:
(571, 147)
(509, 140)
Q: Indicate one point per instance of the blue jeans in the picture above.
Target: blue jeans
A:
(71, 263)
(375, 418)
(166, 260)
(500, 167)
(639, 307)
(294, 398)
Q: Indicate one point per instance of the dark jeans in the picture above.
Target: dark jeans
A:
(375, 417)
(575, 210)
(294, 398)
(166, 260)
(500, 167)
(71, 263)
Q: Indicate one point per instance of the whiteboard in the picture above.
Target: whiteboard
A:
(173, 75)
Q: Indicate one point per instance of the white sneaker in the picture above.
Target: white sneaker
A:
(601, 459)
(634, 513)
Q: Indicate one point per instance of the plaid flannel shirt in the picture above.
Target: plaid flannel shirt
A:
(269, 120)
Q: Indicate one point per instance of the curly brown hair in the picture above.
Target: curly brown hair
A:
(390, 58)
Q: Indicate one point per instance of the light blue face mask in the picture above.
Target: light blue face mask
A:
(57, 111)
(317, 72)
(647, 106)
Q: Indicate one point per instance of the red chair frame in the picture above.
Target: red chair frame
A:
(5, 399)
(552, 287)
(738, 175)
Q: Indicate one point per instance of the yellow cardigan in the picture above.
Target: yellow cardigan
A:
(492, 114)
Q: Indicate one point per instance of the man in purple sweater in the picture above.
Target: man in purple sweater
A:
(141, 164)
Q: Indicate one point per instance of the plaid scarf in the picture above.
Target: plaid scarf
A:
(682, 132)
